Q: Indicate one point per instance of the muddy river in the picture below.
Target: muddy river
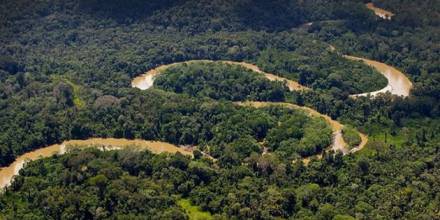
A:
(380, 12)
(338, 142)
(398, 83)
(146, 80)
(7, 173)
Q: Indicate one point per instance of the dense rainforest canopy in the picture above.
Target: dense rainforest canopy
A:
(65, 73)
(220, 81)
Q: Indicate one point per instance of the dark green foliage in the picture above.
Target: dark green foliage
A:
(321, 70)
(9, 65)
(65, 72)
(409, 43)
(296, 134)
(151, 115)
(93, 183)
(220, 81)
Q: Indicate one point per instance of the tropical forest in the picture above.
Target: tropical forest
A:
(220, 109)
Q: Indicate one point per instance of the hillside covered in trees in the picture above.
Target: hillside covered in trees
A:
(66, 69)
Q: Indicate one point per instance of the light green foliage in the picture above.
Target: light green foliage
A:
(77, 100)
(77, 93)
(193, 212)
(343, 217)
(351, 136)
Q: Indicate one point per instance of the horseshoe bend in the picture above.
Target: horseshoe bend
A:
(224, 109)
(398, 84)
